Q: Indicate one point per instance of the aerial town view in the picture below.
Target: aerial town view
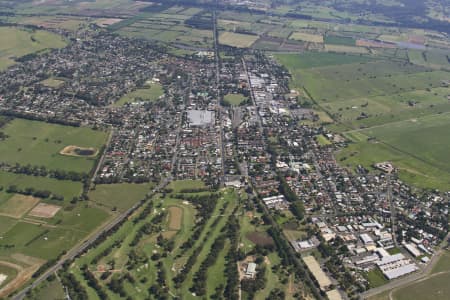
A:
(224, 149)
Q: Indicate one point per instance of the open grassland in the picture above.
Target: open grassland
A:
(296, 62)
(238, 40)
(434, 288)
(148, 93)
(391, 110)
(416, 147)
(16, 42)
(36, 238)
(119, 196)
(39, 143)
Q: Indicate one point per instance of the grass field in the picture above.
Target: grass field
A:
(234, 99)
(414, 146)
(339, 40)
(238, 40)
(16, 42)
(120, 196)
(376, 278)
(18, 205)
(434, 288)
(180, 185)
(306, 37)
(66, 188)
(150, 93)
(52, 82)
(403, 106)
(39, 143)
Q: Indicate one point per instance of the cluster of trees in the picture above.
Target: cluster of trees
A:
(159, 290)
(74, 287)
(251, 286)
(205, 206)
(231, 290)
(296, 207)
(43, 172)
(148, 228)
(93, 282)
(199, 285)
(13, 189)
(53, 120)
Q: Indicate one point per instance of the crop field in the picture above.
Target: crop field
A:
(238, 40)
(39, 143)
(339, 40)
(307, 37)
(149, 93)
(346, 49)
(119, 196)
(16, 42)
(170, 27)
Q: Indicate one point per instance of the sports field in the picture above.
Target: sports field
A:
(39, 143)
(149, 93)
(16, 42)
(234, 99)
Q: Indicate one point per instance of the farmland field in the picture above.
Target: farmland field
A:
(16, 42)
(238, 40)
(307, 37)
(39, 143)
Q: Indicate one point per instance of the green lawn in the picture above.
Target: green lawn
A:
(322, 140)
(376, 278)
(234, 99)
(16, 42)
(121, 196)
(39, 143)
(150, 93)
